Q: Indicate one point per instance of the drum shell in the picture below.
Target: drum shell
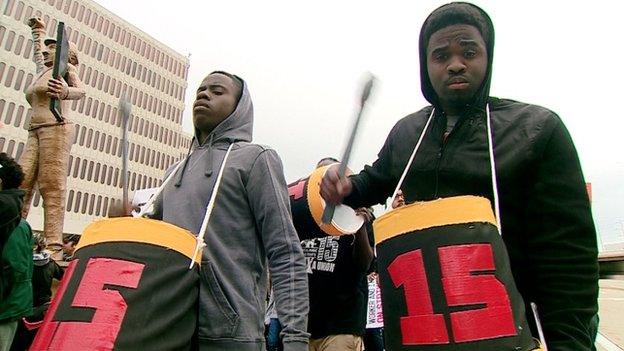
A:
(129, 287)
(435, 242)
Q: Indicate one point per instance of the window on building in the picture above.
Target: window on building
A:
(85, 201)
(10, 148)
(109, 176)
(90, 171)
(9, 7)
(70, 201)
(28, 49)
(96, 139)
(8, 117)
(103, 175)
(29, 78)
(83, 132)
(18, 116)
(116, 180)
(83, 169)
(76, 167)
(89, 138)
(18, 45)
(9, 76)
(101, 111)
(77, 202)
(105, 207)
(96, 172)
(52, 28)
(20, 149)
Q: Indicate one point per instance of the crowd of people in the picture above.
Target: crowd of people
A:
(518, 156)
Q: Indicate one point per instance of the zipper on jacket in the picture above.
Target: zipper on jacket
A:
(458, 125)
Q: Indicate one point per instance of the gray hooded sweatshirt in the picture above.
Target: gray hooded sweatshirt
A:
(250, 228)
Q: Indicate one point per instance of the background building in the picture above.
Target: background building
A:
(115, 58)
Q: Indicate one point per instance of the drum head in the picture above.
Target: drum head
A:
(345, 220)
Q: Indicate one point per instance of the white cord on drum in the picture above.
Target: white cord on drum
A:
(411, 159)
(493, 168)
(213, 197)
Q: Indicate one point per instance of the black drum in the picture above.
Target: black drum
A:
(446, 282)
(129, 287)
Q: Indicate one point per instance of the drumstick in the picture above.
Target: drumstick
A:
(328, 213)
(124, 112)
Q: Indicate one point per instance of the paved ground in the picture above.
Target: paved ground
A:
(611, 302)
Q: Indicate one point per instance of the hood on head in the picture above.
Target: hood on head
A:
(447, 15)
(238, 126)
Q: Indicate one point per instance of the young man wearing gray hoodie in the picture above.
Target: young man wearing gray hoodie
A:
(250, 227)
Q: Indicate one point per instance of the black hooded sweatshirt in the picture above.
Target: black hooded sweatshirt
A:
(546, 216)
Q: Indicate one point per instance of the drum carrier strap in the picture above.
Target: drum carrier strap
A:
(491, 158)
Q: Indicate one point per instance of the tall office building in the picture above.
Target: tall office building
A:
(115, 58)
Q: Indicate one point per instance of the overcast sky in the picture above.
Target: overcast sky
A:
(304, 62)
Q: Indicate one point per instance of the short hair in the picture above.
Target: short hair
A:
(457, 13)
(237, 82)
(327, 159)
(71, 238)
(10, 172)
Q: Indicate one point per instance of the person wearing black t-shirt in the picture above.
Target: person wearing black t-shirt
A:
(337, 268)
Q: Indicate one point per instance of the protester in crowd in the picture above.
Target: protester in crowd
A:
(398, 200)
(44, 272)
(16, 263)
(337, 268)
(250, 224)
(546, 218)
(69, 246)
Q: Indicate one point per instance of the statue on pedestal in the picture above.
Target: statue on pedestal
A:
(46, 156)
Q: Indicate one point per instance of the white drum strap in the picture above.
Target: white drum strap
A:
(491, 158)
(213, 197)
(148, 207)
(493, 167)
(411, 159)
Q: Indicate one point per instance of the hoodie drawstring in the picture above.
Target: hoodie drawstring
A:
(188, 155)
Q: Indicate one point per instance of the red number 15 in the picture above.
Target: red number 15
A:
(465, 282)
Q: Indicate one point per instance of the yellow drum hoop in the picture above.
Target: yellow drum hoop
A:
(140, 230)
(316, 202)
(436, 213)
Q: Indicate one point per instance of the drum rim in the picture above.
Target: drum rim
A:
(119, 230)
(316, 204)
(434, 213)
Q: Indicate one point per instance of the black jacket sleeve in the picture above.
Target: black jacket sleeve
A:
(375, 183)
(562, 246)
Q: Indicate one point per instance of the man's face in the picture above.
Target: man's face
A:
(216, 99)
(48, 54)
(457, 63)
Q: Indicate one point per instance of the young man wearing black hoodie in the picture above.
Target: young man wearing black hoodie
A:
(546, 218)
(249, 225)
